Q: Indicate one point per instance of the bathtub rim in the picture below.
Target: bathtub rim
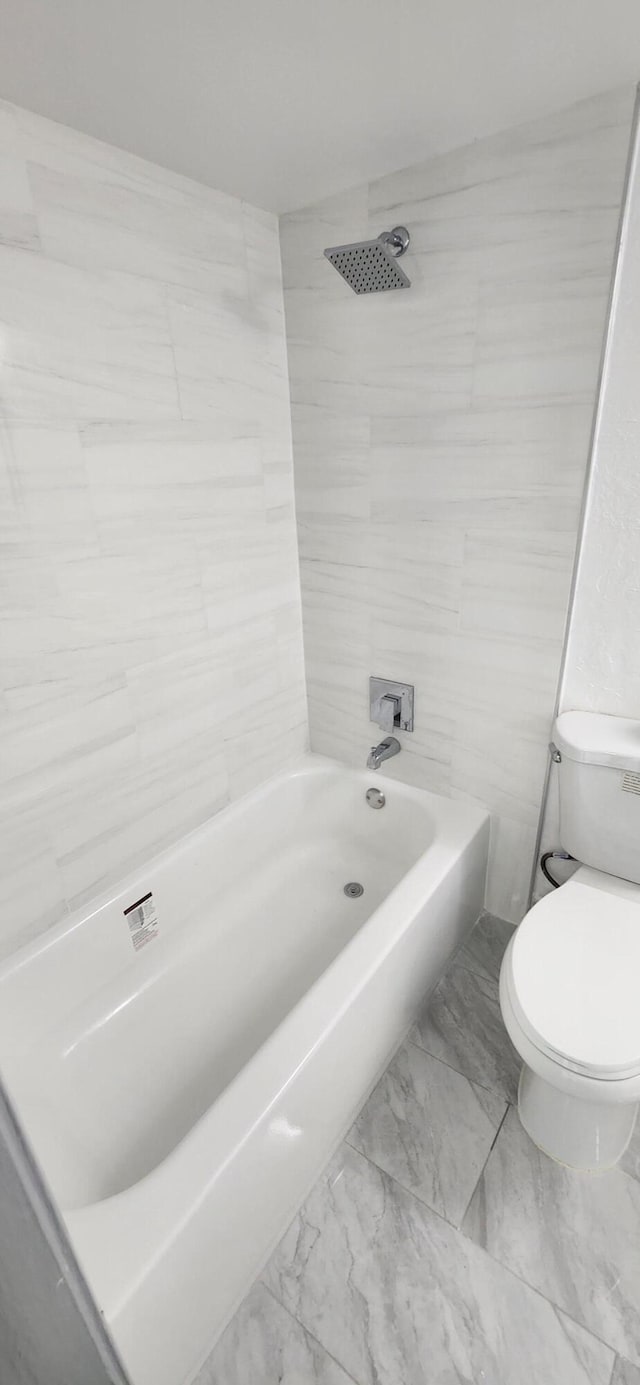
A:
(307, 764)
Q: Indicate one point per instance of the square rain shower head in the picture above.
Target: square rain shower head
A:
(369, 266)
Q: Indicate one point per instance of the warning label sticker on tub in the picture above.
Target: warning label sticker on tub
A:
(143, 921)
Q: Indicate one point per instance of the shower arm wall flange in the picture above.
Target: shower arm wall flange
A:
(397, 240)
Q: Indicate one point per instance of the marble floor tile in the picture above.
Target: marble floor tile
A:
(624, 1373)
(395, 1294)
(486, 946)
(430, 1129)
(572, 1236)
(264, 1345)
(462, 1025)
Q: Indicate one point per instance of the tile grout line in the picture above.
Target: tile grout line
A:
(494, 1090)
(311, 1335)
(411, 1191)
(454, 961)
(509, 1104)
(482, 975)
(408, 1192)
(435, 1058)
(457, 1231)
(557, 1307)
(482, 1171)
(516, 1275)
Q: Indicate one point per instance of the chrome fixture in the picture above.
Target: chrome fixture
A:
(371, 265)
(555, 753)
(391, 704)
(353, 889)
(375, 797)
(388, 747)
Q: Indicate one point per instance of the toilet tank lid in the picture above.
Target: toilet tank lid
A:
(595, 738)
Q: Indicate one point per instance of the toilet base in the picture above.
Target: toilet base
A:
(587, 1135)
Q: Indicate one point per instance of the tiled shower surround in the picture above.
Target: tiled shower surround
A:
(440, 439)
(151, 647)
(440, 1245)
(150, 630)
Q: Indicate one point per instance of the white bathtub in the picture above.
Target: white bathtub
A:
(182, 1096)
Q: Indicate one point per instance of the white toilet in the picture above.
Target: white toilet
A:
(570, 979)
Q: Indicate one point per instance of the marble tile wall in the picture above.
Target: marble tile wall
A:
(440, 444)
(150, 631)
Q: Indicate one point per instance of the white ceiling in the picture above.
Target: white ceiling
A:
(284, 101)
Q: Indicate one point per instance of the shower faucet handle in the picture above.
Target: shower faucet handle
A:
(385, 711)
(391, 704)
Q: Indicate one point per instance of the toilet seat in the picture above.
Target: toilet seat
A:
(572, 976)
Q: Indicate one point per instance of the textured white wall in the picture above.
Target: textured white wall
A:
(602, 664)
(150, 633)
(602, 672)
(440, 443)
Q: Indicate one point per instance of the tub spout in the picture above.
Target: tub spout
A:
(388, 747)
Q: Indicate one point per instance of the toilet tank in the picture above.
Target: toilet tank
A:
(599, 779)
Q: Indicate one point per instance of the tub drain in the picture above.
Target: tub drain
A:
(353, 889)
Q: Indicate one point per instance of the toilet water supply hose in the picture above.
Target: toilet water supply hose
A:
(557, 856)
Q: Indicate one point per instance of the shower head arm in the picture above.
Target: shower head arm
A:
(397, 240)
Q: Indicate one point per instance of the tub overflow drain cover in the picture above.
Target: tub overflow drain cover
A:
(353, 889)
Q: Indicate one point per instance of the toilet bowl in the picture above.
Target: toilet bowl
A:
(570, 999)
(570, 978)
